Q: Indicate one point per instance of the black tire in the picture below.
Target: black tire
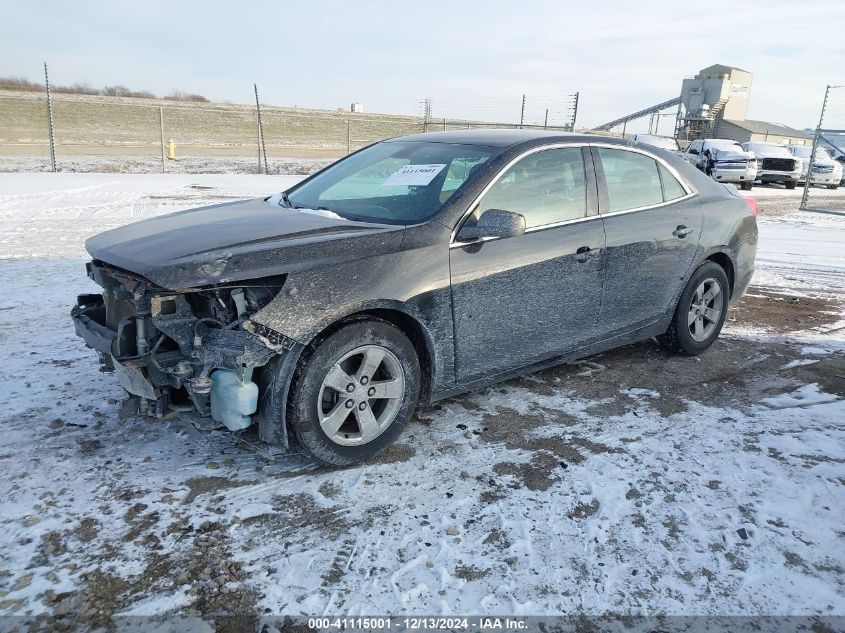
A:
(303, 416)
(678, 337)
(746, 186)
(790, 185)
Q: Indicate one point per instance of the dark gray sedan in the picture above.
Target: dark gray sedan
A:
(414, 269)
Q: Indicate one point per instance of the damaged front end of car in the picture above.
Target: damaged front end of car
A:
(193, 350)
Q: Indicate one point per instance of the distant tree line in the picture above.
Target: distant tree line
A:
(19, 83)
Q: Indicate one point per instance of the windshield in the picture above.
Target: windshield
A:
(768, 149)
(662, 142)
(393, 182)
(800, 151)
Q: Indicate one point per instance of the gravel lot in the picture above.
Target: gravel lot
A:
(634, 482)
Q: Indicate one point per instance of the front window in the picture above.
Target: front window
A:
(545, 187)
(393, 182)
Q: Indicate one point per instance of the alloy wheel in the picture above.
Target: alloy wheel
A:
(361, 395)
(705, 309)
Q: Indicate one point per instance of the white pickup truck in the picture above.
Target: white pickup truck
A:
(825, 170)
(723, 160)
(775, 164)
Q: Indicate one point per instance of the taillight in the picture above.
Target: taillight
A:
(752, 205)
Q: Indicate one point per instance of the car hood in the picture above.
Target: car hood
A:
(730, 154)
(765, 154)
(238, 240)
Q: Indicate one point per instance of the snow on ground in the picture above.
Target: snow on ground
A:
(634, 483)
(802, 250)
(151, 164)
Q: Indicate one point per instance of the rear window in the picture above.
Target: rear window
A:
(632, 179)
(636, 180)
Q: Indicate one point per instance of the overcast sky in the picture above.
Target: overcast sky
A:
(472, 58)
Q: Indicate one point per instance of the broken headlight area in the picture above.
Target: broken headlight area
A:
(191, 350)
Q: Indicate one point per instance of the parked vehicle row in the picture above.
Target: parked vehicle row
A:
(728, 161)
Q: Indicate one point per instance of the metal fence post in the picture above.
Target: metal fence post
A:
(805, 196)
(261, 146)
(161, 130)
(444, 123)
(546, 120)
(50, 121)
(522, 114)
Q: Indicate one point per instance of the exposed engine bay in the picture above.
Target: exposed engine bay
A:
(194, 350)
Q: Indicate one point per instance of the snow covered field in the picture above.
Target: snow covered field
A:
(633, 483)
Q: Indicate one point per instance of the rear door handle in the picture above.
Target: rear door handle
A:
(682, 231)
(582, 254)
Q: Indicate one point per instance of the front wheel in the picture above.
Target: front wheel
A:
(354, 393)
(790, 185)
(700, 312)
(746, 186)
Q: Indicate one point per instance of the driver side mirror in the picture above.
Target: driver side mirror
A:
(494, 223)
(693, 151)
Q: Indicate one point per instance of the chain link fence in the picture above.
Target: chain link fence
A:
(99, 133)
(826, 170)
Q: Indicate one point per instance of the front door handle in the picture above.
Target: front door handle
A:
(582, 254)
(682, 231)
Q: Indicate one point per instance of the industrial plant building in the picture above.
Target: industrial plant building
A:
(714, 103)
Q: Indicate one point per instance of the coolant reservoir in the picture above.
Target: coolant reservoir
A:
(233, 399)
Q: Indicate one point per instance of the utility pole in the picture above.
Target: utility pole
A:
(50, 121)
(575, 111)
(522, 115)
(546, 120)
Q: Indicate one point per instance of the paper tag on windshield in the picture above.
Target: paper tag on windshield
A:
(413, 175)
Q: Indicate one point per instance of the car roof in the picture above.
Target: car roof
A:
(506, 137)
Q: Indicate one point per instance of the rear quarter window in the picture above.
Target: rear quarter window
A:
(672, 189)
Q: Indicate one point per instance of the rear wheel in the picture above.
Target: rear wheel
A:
(355, 393)
(700, 313)
(746, 186)
(790, 185)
